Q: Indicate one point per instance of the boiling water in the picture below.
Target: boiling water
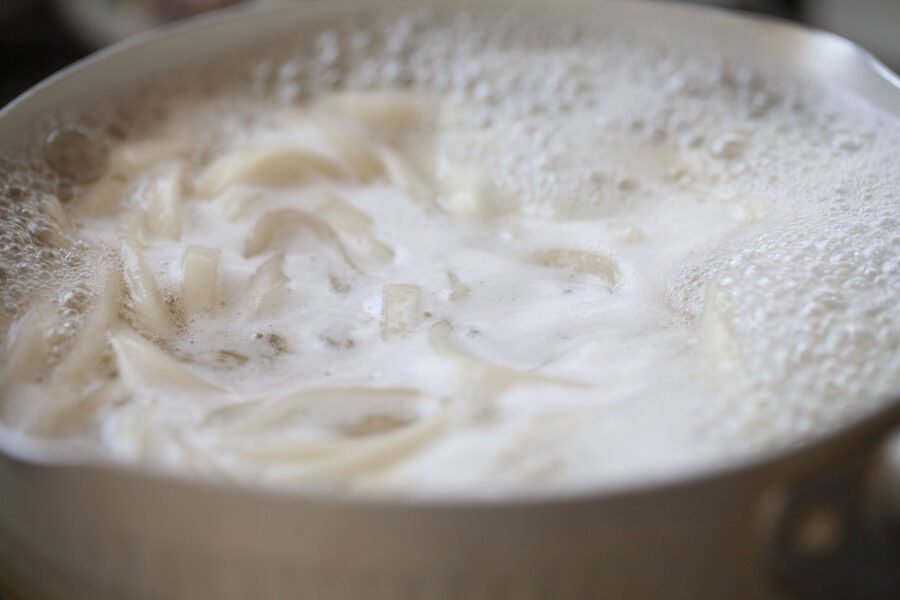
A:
(463, 252)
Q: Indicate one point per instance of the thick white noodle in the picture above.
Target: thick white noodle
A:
(200, 277)
(267, 165)
(266, 282)
(147, 365)
(147, 303)
(161, 195)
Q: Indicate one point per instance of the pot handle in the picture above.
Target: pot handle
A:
(837, 534)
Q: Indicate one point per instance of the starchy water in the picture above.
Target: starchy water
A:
(453, 252)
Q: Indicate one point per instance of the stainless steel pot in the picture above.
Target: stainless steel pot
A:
(818, 522)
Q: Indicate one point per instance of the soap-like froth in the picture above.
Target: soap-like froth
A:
(453, 252)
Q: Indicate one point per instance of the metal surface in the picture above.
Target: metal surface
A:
(832, 542)
(79, 531)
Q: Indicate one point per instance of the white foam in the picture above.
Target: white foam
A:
(635, 259)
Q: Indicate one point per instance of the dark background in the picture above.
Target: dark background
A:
(36, 40)
(33, 45)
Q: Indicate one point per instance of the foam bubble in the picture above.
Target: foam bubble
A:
(76, 154)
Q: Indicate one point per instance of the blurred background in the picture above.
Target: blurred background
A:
(39, 37)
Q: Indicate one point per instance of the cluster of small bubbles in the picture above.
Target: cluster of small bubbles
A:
(569, 122)
(38, 245)
(58, 339)
(126, 313)
(76, 299)
(813, 309)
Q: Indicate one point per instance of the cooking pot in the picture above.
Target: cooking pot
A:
(819, 521)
